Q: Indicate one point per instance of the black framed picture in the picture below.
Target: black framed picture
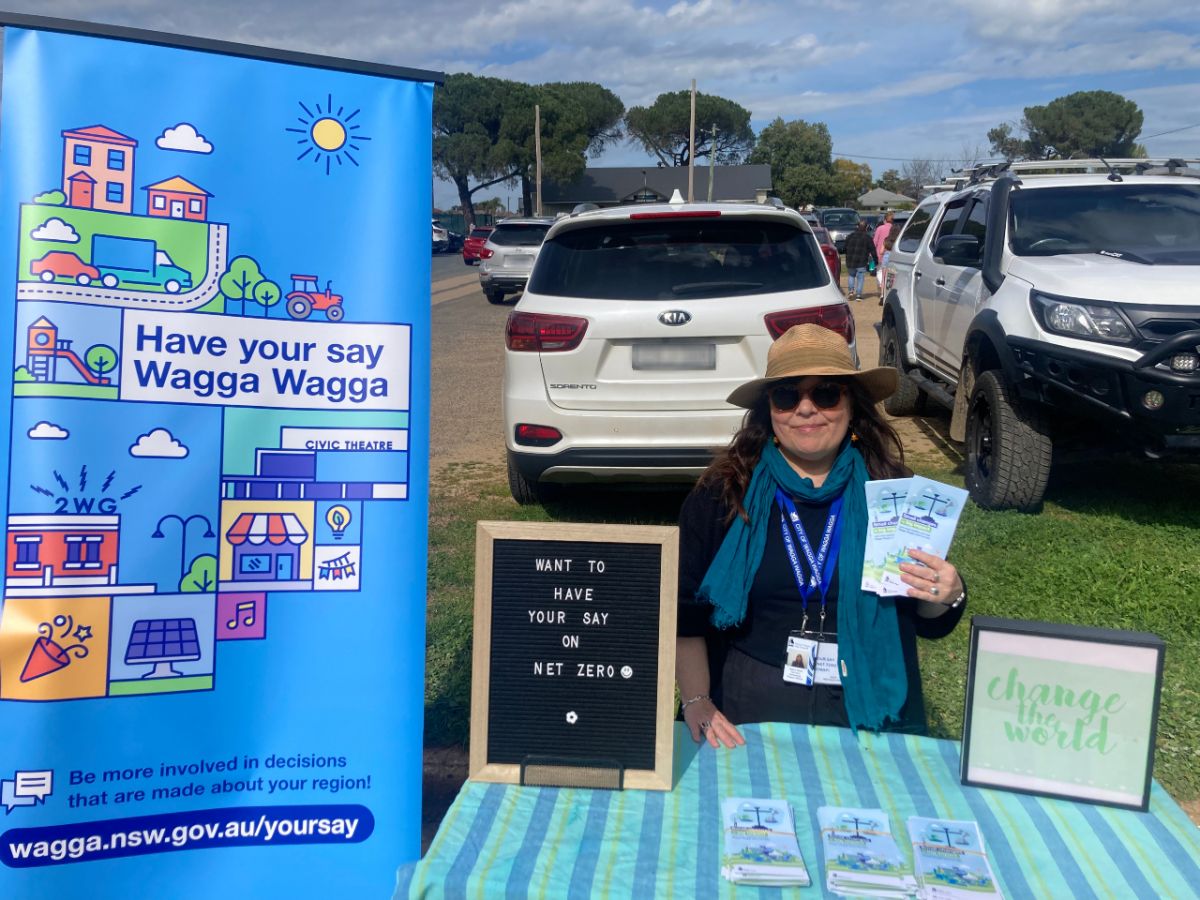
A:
(1062, 710)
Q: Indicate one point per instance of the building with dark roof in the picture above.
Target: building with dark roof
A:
(617, 185)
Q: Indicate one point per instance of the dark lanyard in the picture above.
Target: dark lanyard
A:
(823, 561)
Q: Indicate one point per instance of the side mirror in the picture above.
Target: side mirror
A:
(958, 250)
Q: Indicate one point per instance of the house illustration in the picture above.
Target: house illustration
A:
(98, 168)
(48, 550)
(177, 198)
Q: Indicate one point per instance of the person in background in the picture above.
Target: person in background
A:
(771, 546)
(859, 251)
(884, 261)
(882, 231)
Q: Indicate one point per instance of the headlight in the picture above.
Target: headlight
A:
(1082, 319)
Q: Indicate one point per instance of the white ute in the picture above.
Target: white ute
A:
(1051, 304)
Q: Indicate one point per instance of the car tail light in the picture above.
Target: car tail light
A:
(831, 257)
(680, 214)
(835, 317)
(540, 333)
(537, 435)
(486, 252)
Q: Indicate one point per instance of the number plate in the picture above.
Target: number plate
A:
(674, 356)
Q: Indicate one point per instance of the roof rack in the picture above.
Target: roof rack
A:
(1052, 167)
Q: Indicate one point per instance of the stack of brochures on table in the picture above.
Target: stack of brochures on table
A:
(950, 861)
(862, 859)
(760, 843)
(903, 513)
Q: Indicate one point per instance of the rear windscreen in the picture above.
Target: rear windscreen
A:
(679, 258)
(519, 235)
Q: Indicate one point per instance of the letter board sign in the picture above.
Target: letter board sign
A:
(574, 655)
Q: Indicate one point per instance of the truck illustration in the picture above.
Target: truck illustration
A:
(135, 261)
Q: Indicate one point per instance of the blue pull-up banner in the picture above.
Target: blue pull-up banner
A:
(214, 304)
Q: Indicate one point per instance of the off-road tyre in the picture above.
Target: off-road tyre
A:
(908, 397)
(1008, 448)
(523, 490)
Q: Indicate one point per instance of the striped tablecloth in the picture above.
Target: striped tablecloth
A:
(511, 841)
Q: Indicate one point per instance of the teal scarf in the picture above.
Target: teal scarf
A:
(872, 662)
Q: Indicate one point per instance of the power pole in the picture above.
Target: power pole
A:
(712, 157)
(537, 152)
(692, 146)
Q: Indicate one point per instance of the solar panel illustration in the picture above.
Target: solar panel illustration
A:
(153, 639)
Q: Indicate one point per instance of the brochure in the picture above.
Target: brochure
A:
(885, 501)
(760, 843)
(861, 856)
(950, 861)
(903, 513)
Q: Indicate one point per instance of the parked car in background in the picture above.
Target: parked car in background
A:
(507, 256)
(830, 250)
(441, 238)
(1051, 307)
(840, 223)
(474, 243)
(637, 323)
(872, 220)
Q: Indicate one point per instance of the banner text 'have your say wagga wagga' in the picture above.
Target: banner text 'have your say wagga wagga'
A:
(209, 359)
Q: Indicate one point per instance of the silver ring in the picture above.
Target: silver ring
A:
(705, 725)
(933, 591)
(936, 577)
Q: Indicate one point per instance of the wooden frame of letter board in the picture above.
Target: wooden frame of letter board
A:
(1082, 634)
(667, 537)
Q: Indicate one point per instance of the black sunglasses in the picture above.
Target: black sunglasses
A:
(824, 395)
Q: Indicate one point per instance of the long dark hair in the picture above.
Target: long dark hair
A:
(732, 468)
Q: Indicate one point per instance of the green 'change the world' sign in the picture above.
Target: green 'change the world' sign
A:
(1060, 710)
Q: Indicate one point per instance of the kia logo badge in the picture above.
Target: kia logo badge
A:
(675, 317)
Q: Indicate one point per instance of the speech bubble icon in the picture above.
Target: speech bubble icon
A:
(38, 785)
(9, 798)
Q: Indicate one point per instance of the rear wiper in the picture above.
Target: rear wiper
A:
(694, 286)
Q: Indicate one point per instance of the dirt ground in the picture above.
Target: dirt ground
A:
(467, 368)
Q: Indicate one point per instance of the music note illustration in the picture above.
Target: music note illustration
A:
(246, 612)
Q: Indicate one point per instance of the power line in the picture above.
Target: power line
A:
(902, 158)
(1172, 131)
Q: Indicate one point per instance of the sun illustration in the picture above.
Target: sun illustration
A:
(328, 135)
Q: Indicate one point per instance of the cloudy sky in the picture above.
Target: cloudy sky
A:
(892, 81)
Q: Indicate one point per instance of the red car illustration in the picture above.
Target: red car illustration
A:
(60, 264)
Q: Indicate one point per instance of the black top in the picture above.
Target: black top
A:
(859, 248)
(774, 609)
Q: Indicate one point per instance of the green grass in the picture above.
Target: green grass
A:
(64, 389)
(1117, 545)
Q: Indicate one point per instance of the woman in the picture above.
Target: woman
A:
(751, 602)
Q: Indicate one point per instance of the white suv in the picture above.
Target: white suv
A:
(507, 256)
(637, 323)
(1050, 306)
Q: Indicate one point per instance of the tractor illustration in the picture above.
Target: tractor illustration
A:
(305, 297)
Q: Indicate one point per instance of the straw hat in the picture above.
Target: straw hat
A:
(814, 350)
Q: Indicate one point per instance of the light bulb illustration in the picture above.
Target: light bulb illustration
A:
(338, 518)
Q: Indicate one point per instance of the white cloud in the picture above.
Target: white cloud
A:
(183, 137)
(47, 431)
(158, 443)
(55, 229)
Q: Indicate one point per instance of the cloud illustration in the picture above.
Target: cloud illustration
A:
(55, 229)
(47, 431)
(184, 137)
(160, 443)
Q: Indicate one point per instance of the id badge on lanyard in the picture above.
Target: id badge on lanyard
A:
(808, 661)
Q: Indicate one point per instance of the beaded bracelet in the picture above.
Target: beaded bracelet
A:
(687, 703)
